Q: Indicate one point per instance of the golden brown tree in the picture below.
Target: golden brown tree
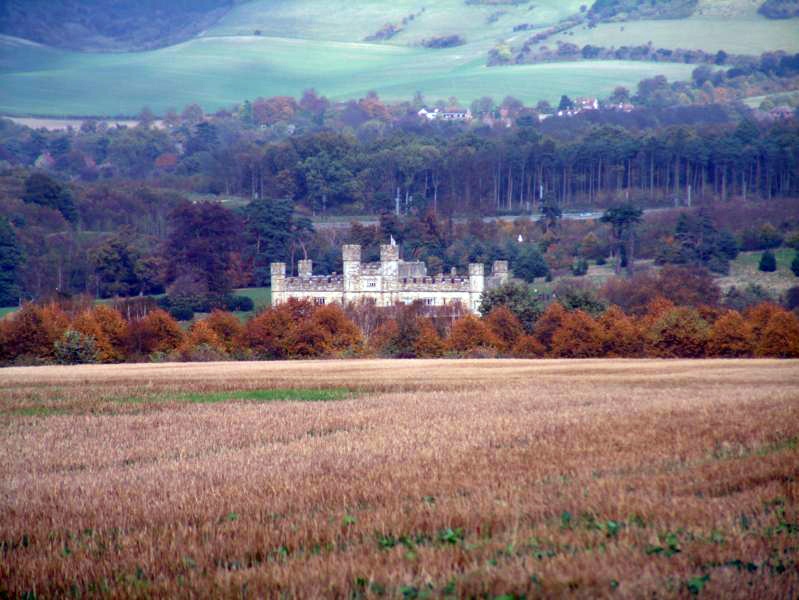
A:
(428, 344)
(548, 323)
(157, 332)
(730, 337)
(678, 333)
(505, 326)
(227, 327)
(579, 336)
(343, 334)
(622, 335)
(780, 337)
(470, 333)
(528, 346)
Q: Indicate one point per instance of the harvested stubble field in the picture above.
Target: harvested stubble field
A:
(401, 478)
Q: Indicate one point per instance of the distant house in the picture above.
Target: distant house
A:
(582, 104)
(446, 115)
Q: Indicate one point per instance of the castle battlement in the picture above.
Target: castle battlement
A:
(387, 282)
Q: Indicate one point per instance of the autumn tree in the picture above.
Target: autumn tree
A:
(622, 221)
(548, 324)
(730, 337)
(157, 332)
(227, 328)
(678, 333)
(428, 343)
(343, 334)
(578, 336)
(201, 341)
(528, 346)
(505, 327)
(470, 333)
(780, 337)
(621, 334)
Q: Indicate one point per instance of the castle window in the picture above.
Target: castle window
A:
(371, 284)
(429, 301)
(319, 301)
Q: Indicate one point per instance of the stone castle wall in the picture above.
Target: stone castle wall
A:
(387, 282)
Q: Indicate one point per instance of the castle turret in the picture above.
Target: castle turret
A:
(500, 272)
(278, 282)
(477, 278)
(351, 255)
(305, 268)
(389, 261)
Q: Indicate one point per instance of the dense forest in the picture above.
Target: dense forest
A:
(623, 10)
(109, 25)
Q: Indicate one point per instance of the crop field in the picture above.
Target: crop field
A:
(403, 479)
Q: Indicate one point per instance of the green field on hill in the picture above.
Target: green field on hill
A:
(282, 47)
(220, 72)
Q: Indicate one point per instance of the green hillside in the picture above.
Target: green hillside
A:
(282, 47)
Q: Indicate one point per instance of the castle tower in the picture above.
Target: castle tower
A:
(477, 280)
(305, 268)
(351, 255)
(500, 271)
(389, 261)
(278, 282)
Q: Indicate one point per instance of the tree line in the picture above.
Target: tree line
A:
(85, 333)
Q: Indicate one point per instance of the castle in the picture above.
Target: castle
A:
(388, 282)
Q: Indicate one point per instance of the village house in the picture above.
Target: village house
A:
(446, 115)
(387, 282)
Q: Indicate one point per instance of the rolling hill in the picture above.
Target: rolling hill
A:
(282, 47)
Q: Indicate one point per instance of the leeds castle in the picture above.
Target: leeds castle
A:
(386, 282)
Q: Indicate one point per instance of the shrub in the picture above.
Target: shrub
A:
(158, 332)
(795, 264)
(768, 262)
(579, 336)
(33, 331)
(470, 333)
(181, 312)
(780, 337)
(678, 333)
(764, 238)
(505, 327)
(75, 348)
(579, 267)
(742, 299)
(200, 334)
(730, 337)
(792, 298)
(244, 304)
(227, 328)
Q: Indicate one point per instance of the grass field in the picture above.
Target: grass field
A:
(403, 479)
(744, 271)
(219, 72)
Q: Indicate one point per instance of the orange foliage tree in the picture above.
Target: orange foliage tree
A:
(269, 333)
(344, 335)
(470, 333)
(201, 340)
(622, 336)
(579, 336)
(227, 327)
(780, 337)
(33, 331)
(678, 333)
(528, 346)
(157, 332)
(428, 343)
(505, 326)
(730, 336)
(548, 323)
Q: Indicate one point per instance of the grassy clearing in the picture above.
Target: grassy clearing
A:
(442, 478)
(744, 271)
